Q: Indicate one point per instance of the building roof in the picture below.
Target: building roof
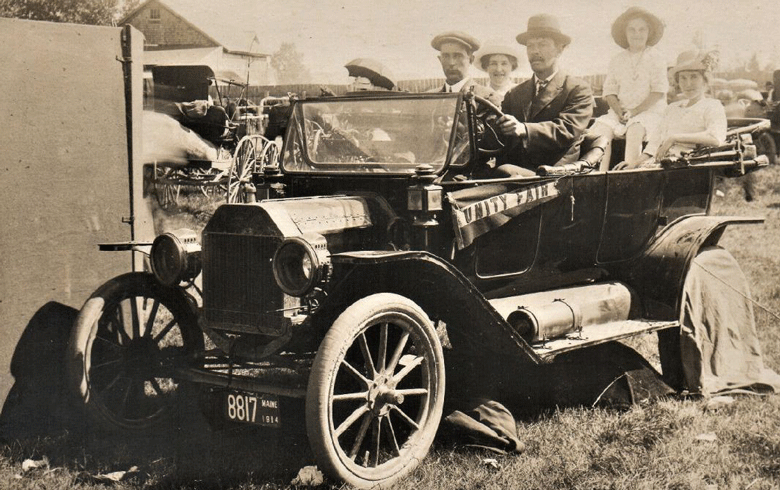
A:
(195, 56)
(234, 31)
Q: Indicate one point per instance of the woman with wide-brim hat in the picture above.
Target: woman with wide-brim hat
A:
(636, 83)
(499, 60)
(694, 121)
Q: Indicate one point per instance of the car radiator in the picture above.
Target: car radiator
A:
(239, 291)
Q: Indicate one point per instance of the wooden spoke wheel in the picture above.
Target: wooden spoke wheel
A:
(244, 163)
(166, 187)
(129, 339)
(376, 392)
(206, 181)
(269, 157)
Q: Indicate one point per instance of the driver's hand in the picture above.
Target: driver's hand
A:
(510, 126)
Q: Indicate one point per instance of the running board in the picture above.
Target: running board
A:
(598, 334)
(237, 382)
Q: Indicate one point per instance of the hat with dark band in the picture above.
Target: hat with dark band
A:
(543, 25)
(469, 42)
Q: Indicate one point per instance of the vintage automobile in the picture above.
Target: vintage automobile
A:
(378, 250)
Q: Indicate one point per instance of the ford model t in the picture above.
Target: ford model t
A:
(379, 238)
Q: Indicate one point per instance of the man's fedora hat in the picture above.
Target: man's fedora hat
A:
(543, 25)
(470, 42)
(655, 24)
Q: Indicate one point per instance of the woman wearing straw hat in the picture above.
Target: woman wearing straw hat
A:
(499, 60)
(636, 84)
(693, 121)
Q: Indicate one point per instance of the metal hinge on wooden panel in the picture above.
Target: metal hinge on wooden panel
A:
(128, 220)
(125, 58)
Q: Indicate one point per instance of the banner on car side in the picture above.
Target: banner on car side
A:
(475, 211)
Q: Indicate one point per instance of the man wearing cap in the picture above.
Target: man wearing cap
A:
(546, 116)
(456, 53)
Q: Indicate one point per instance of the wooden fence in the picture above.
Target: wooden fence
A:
(257, 92)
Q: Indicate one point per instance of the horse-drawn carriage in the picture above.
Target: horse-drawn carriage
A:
(371, 262)
(219, 139)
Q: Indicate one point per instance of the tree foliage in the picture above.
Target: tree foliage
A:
(96, 12)
(289, 66)
(126, 7)
(753, 65)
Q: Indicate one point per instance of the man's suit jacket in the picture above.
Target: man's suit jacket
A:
(556, 120)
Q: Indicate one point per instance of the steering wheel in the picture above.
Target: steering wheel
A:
(490, 140)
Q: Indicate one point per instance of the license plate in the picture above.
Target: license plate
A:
(253, 408)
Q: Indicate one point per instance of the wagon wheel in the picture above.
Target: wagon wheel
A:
(207, 181)
(269, 156)
(376, 391)
(166, 191)
(241, 171)
(127, 342)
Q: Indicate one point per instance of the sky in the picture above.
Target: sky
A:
(330, 33)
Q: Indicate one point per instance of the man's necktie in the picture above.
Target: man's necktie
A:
(540, 84)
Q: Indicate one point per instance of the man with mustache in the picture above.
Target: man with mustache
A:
(456, 53)
(546, 116)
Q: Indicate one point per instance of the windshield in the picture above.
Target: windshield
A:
(389, 135)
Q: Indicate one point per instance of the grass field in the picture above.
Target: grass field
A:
(674, 444)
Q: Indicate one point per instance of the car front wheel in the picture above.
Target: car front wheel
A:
(376, 392)
(128, 341)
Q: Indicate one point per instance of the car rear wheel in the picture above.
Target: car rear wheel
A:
(128, 340)
(376, 392)
(765, 145)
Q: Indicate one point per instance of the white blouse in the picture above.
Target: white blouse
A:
(632, 77)
(705, 115)
(501, 92)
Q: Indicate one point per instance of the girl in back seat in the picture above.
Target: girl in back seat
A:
(636, 85)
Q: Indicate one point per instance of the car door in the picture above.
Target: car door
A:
(631, 219)
(560, 234)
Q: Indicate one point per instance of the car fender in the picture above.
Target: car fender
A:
(436, 286)
(658, 274)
